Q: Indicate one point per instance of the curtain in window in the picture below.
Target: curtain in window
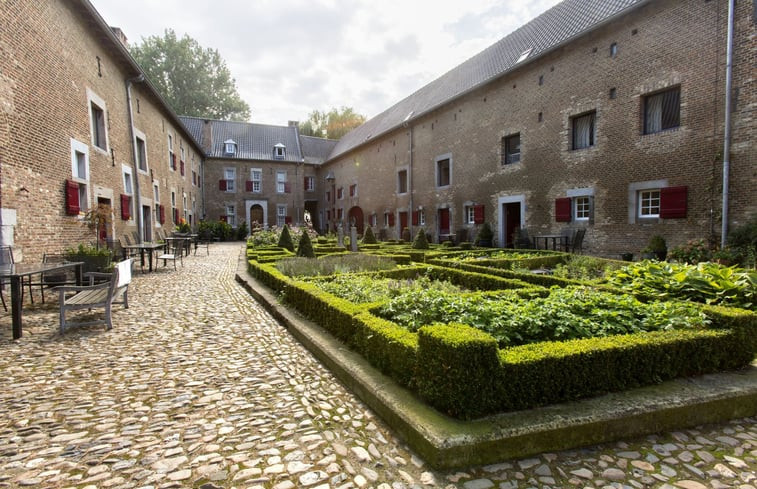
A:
(653, 120)
(663, 111)
(583, 131)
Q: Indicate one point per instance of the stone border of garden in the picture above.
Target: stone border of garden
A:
(444, 442)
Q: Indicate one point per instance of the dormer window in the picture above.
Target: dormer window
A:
(229, 147)
(279, 151)
(524, 55)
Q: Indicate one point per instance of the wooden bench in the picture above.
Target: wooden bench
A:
(72, 298)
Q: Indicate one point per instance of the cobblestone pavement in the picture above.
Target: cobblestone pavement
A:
(197, 386)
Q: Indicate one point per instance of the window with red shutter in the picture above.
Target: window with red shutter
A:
(287, 188)
(162, 214)
(72, 198)
(181, 166)
(176, 216)
(248, 185)
(562, 209)
(415, 218)
(288, 220)
(673, 202)
(222, 185)
(478, 214)
(391, 219)
(125, 207)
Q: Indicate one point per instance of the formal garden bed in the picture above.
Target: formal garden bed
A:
(475, 332)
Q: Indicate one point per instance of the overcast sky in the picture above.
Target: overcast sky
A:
(292, 56)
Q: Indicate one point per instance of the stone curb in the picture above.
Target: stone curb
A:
(448, 443)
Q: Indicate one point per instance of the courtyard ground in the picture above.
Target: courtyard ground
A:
(196, 385)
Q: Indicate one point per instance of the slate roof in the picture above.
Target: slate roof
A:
(551, 29)
(316, 150)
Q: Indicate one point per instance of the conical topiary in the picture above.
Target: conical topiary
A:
(285, 239)
(420, 242)
(305, 248)
(369, 237)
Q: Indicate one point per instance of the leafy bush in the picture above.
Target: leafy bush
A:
(693, 252)
(369, 237)
(709, 283)
(285, 239)
(565, 314)
(585, 268)
(420, 242)
(743, 241)
(262, 237)
(406, 235)
(485, 235)
(329, 265)
(305, 247)
(242, 231)
(362, 289)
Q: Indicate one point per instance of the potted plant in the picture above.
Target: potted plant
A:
(98, 219)
(95, 259)
(485, 236)
(656, 248)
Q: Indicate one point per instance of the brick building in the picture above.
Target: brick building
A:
(80, 127)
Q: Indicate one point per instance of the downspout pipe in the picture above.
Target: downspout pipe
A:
(410, 182)
(138, 211)
(727, 129)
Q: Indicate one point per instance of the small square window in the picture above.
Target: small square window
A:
(662, 111)
(98, 126)
(402, 182)
(470, 215)
(582, 208)
(511, 149)
(583, 130)
(649, 203)
(443, 172)
(613, 49)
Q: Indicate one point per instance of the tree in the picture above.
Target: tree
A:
(195, 81)
(333, 124)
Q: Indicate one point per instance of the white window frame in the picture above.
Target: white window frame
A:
(140, 136)
(469, 214)
(281, 181)
(156, 198)
(592, 136)
(281, 214)
(349, 190)
(437, 160)
(94, 99)
(170, 152)
(510, 158)
(230, 175)
(309, 184)
(386, 219)
(231, 215)
(648, 203)
(127, 177)
(279, 152)
(185, 207)
(230, 148)
(581, 208)
(421, 217)
(79, 148)
(257, 183)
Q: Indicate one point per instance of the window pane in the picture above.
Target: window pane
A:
(81, 166)
(649, 203)
(662, 111)
(583, 131)
(512, 149)
(442, 173)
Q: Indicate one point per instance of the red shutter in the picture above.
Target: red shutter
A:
(305, 184)
(287, 188)
(391, 219)
(248, 185)
(176, 216)
(162, 217)
(72, 198)
(673, 202)
(181, 165)
(288, 220)
(562, 209)
(415, 218)
(478, 214)
(222, 185)
(173, 161)
(222, 218)
(125, 207)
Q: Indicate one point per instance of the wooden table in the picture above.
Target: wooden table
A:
(17, 271)
(555, 238)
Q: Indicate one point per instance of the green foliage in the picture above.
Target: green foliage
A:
(222, 230)
(87, 250)
(565, 314)
(485, 235)
(420, 242)
(362, 289)
(285, 239)
(329, 265)
(709, 283)
(332, 124)
(369, 237)
(743, 241)
(585, 268)
(406, 235)
(242, 231)
(693, 252)
(656, 244)
(391, 349)
(305, 247)
(195, 81)
(263, 238)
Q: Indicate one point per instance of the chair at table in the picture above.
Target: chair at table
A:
(6, 258)
(521, 240)
(174, 251)
(204, 238)
(126, 249)
(576, 245)
(54, 279)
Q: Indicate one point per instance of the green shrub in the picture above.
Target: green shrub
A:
(420, 242)
(365, 288)
(391, 349)
(305, 247)
(261, 237)
(693, 252)
(242, 231)
(285, 239)
(329, 265)
(484, 236)
(406, 235)
(369, 237)
(586, 268)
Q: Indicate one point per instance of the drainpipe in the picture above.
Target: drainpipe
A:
(727, 131)
(138, 211)
(410, 184)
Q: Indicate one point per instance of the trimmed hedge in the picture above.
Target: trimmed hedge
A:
(387, 346)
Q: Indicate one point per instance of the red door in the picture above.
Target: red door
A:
(403, 221)
(443, 221)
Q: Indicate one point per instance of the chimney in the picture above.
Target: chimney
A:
(207, 137)
(294, 123)
(120, 35)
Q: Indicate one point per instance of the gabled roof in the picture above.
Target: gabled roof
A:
(551, 29)
(316, 150)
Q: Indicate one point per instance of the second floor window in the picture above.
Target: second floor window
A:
(402, 182)
(511, 149)
(281, 182)
(256, 176)
(583, 130)
(141, 154)
(443, 173)
(662, 110)
(309, 184)
(230, 176)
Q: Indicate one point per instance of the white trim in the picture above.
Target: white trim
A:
(140, 135)
(580, 192)
(521, 199)
(92, 97)
(633, 197)
(261, 203)
(78, 146)
(446, 156)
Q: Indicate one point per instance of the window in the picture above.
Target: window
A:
(229, 147)
(511, 149)
(171, 155)
(99, 137)
(127, 197)
(662, 111)
(613, 49)
(185, 207)
(470, 215)
(402, 182)
(281, 182)
(309, 184)
(231, 215)
(141, 154)
(373, 220)
(156, 199)
(649, 203)
(353, 190)
(339, 214)
(443, 167)
(77, 190)
(181, 161)
(230, 176)
(582, 208)
(583, 130)
(279, 152)
(256, 177)
(281, 215)
(340, 193)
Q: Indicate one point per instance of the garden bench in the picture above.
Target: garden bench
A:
(95, 296)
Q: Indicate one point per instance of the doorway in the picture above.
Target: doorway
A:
(146, 223)
(512, 211)
(356, 219)
(256, 215)
(443, 221)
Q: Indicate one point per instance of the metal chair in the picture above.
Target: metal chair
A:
(174, 251)
(576, 245)
(6, 258)
(204, 238)
(53, 279)
(521, 240)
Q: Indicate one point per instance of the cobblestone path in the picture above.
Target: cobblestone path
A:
(197, 386)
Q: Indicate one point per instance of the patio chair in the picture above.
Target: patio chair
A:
(53, 279)
(521, 240)
(576, 244)
(204, 238)
(114, 291)
(6, 258)
(174, 251)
